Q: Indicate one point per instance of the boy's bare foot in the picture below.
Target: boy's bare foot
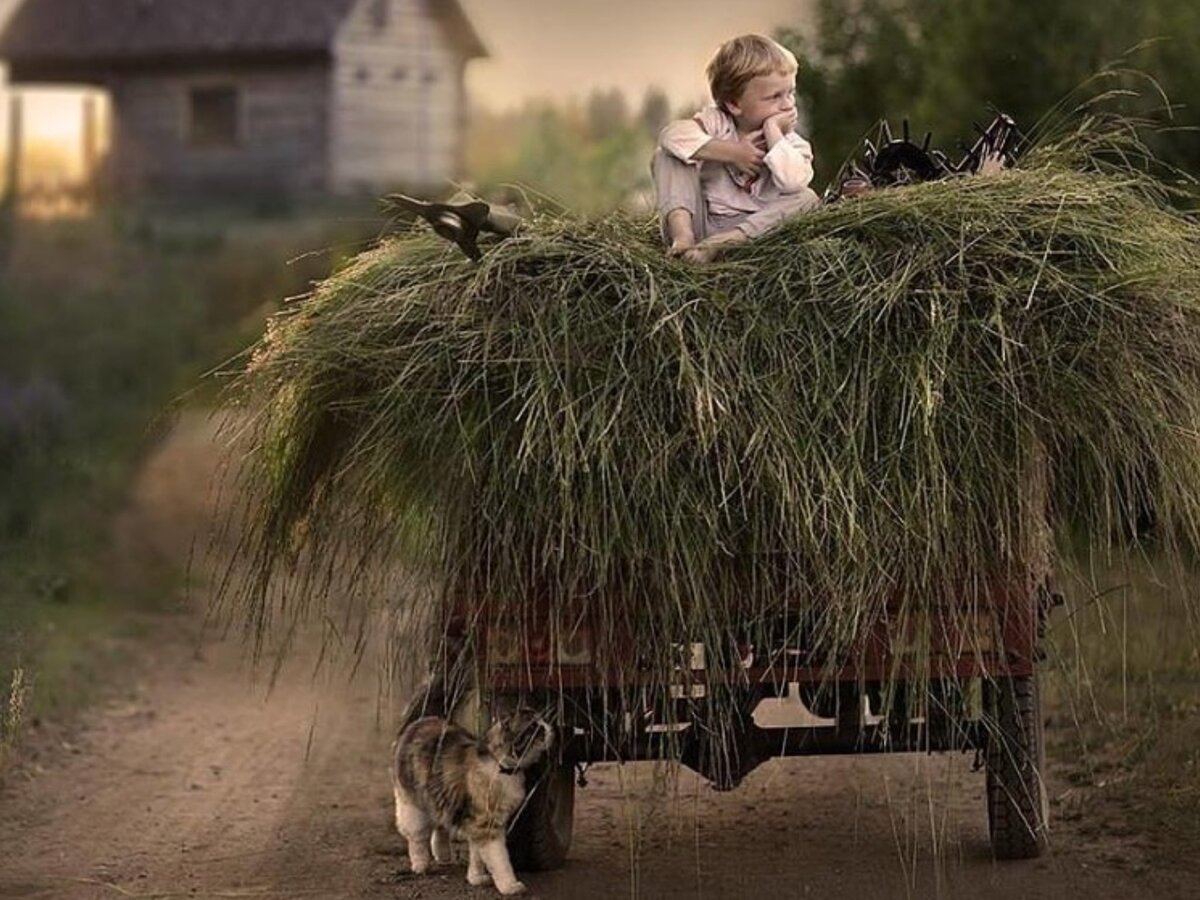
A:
(700, 254)
(680, 231)
(710, 248)
(681, 245)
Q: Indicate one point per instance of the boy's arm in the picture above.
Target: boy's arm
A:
(683, 138)
(745, 155)
(686, 139)
(789, 157)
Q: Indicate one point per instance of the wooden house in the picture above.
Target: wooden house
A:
(291, 96)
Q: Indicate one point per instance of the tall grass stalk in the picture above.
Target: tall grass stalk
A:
(14, 717)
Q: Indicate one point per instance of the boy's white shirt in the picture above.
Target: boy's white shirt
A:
(789, 162)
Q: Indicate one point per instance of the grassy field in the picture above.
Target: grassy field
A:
(1124, 700)
(106, 323)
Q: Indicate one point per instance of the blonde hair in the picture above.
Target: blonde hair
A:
(740, 59)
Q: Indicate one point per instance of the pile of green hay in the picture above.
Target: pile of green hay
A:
(895, 400)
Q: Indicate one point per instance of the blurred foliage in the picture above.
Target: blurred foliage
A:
(105, 322)
(942, 63)
(102, 322)
(1122, 700)
(590, 157)
(607, 114)
(655, 112)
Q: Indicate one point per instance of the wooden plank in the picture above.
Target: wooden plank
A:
(398, 117)
(281, 131)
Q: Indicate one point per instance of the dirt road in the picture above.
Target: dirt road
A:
(194, 783)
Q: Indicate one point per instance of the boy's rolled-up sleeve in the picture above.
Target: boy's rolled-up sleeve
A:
(790, 163)
(683, 138)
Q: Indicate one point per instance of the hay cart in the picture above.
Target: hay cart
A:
(949, 679)
(976, 693)
(662, 519)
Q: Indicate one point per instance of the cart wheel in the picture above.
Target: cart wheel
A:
(1018, 814)
(540, 836)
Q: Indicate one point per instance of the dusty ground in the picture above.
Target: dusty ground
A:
(195, 783)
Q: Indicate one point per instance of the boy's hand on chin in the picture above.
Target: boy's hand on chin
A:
(776, 126)
(746, 156)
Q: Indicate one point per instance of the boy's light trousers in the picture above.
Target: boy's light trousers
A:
(677, 186)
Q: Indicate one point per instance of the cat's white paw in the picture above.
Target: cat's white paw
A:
(440, 844)
(509, 890)
(478, 879)
(420, 868)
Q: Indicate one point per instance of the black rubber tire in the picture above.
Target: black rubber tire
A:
(1018, 814)
(539, 838)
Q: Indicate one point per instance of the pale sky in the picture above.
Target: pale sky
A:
(559, 48)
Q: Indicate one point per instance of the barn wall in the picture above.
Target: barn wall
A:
(282, 132)
(399, 106)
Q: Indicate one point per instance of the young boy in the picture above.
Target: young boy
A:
(736, 169)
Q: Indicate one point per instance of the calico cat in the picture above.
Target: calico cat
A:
(447, 781)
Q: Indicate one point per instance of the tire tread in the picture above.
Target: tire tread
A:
(1015, 759)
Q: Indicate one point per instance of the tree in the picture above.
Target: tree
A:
(607, 113)
(655, 112)
(1014, 55)
(944, 63)
(859, 66)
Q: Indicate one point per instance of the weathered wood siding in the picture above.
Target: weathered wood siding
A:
(282, 139)
(399, 105)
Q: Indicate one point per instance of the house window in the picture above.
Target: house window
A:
(379, 14)
(213, 117)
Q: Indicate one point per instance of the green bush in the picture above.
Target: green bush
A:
(105, 323)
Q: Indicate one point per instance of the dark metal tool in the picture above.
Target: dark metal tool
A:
(459, 220)
(891, 161)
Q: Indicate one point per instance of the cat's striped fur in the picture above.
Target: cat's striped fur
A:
(446, 782)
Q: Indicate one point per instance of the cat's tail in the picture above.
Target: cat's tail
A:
(432, 698)
(439, 694)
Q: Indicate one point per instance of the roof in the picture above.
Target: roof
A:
(56, 35)
(461, 29)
